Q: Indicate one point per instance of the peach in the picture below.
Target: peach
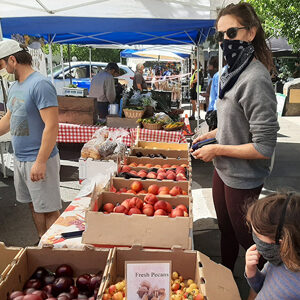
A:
(148, 165)
(126, 169)
(140, 165)
(150, 199)
(160, 212)
(130, 192)
(164, 190)
(106, 297)
(134, 210)
(153, 189)
(126, 203)
(136, 186)
(171, 176)
(120, 209)
(148, 210)
(161, 176)
(123, 190)
(142, 173)
(182, 207)
(108, 207)
(151, 175)
(142, 192)
(136, 202)
(176, 212)
(118, 296)
(134, 165)
(176, 190)
(161, 170)
(169, 207)
(166, 166)
(157, 166)
(161, 204)
(133, 172)
(184, 193)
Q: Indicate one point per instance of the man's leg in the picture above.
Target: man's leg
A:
(51, 217)
(39, 221)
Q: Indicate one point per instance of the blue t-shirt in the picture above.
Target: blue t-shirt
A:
(25, 100)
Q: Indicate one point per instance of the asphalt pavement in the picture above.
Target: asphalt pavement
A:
(17, 228)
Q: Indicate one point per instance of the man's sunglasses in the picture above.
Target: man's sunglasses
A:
(231, 33)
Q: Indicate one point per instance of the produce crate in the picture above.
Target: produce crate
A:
(124, 230)
(177, 154)
(82, 261)
(214, 280)
(8, 255)
(165, 146)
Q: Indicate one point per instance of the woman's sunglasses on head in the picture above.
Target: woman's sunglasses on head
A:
(230, 32)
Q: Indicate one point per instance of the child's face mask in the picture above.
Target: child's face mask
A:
(4, 74)
(270, 252)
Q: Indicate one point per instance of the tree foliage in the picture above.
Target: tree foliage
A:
(280, 18)
(82, 53)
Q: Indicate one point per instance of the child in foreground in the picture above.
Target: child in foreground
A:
(275, 222)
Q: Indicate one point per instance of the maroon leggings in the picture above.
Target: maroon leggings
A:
(230, 208)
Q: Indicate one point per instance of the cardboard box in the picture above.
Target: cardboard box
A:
(215, 281)
(155, 161)
(77, 110)
(7, 257)
(162, 146)
(117, 122)
(123, 230)
(294, 96)
(82, 261)
(118, 183)
(177, 154)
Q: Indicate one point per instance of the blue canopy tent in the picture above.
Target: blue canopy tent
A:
(110, 22)
(131, 53)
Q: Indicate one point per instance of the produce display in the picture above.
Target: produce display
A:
(181, 289)
(44, 284)
(140, 154)
(137, 188)
(159, 173)
(173, 126)
(150, 206)
(165, 166)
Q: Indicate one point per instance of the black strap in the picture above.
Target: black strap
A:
(281, 219)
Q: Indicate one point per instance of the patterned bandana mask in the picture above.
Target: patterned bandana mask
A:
(270, 252)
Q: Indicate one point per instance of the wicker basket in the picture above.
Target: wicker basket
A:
(133, 114)
(155, 126)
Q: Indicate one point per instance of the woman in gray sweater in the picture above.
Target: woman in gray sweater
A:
(247, 125)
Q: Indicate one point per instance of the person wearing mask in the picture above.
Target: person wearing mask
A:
(247, 125)
(32, 118)
(103, 88)
(275, 222)
(138, 80)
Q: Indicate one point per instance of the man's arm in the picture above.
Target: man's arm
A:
(50, 117)
(110, 90)
(5, 123)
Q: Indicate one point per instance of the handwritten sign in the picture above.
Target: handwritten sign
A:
(148, 279)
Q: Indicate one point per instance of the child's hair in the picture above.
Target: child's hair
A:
(264, 216)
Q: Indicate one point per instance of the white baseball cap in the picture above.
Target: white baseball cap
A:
(9, 47)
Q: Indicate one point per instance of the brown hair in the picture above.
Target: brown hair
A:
(23, 57)
(264, 214)
(247, 16)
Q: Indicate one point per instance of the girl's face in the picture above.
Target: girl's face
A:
(230, 21)
(263, 238)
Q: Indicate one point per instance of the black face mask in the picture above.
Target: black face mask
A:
(232, 49)
(270, 252)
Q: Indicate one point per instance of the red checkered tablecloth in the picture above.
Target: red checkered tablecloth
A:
(158, 136)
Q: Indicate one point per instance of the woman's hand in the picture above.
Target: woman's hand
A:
(206, 153)
(252, 259)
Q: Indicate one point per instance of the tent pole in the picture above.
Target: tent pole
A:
(197, 102)
(1, 34)
(90, 57)
(51, 60)
(220, 65)
(69, 59)
(62, 63)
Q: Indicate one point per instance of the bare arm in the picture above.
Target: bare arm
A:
(5, 123)
(139, 86)
(50, 117)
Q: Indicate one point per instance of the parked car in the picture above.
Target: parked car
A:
(79, 74)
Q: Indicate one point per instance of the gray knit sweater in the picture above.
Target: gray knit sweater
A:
(247, 114)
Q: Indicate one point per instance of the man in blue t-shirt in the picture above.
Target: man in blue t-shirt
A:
(32, 118)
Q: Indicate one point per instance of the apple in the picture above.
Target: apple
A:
(134, 165)
(175, 286)
(175, 190)
(163, 190)
(136, 186)
(182, 207)
(160, 212)
(161, 176)
(199, 297)
(136, 202)
(125, 203)
(166, 166)
(148, 210)
(123, 190)
(108, 207)
(126, 169)
(161, 204)
(169, 207)
(153, 189)
(148, 166)
(118, 296)
(161, 170)
(151, 175)
(171, 176)
(112, 289)
(120, 209)
(176, 212)
(106, 297)
(134, 210)
(150, 199)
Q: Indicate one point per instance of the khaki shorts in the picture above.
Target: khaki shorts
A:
(44, 194)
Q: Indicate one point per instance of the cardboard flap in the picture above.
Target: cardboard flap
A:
(216, 280)
(177, 248)
(137, 247)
